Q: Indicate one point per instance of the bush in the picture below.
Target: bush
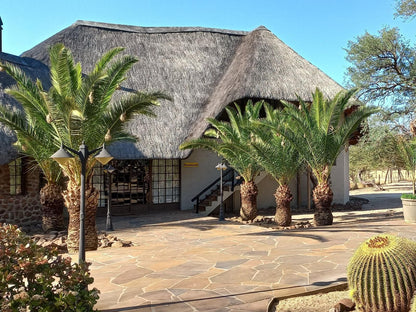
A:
(35, 278)
(408, 196)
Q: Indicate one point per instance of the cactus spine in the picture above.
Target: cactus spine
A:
(382, 274)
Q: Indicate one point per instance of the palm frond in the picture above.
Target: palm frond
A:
(319, 132)
(232, 140)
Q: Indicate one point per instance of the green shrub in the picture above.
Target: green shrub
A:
(408, 196)
(35, 278)
(382, 274)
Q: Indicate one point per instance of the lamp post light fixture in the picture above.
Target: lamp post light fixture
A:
(221, 167)
(109, 223)
(62, 156)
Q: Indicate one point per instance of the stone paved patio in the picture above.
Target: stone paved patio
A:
(184, 263)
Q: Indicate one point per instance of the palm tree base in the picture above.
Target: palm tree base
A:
(72, 199)
(52, 223)
(248, 192)
(283, 216)
(52, 207)
(323, 217)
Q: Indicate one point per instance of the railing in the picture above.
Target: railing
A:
(228, 176)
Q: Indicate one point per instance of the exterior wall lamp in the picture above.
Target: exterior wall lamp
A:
(62, 156)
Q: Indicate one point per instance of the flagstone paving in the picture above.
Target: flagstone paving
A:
(180, 262)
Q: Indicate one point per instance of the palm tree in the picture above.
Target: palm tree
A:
(407, 151)
(35, 141)
(277, 158)
(318, 132)
(231, 140)
(78, 109)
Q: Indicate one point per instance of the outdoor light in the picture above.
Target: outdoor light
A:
(104, 156)
(221, 167)
(109, 223)
(62, 156)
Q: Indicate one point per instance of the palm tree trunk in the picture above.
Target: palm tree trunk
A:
(52, 207)
(283, 216)
(322, 198)
(248, 193)
(72, 202)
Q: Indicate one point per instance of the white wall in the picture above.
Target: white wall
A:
(340, 179)
(267, 187)
(195, 179)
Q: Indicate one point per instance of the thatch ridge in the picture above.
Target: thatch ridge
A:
(202, 69)
(157, 30)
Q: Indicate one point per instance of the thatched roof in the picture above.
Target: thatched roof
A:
(33, 69)
(203, 69)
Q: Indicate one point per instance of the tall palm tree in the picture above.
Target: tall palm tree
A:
(278, 158)
(34, 140)
(318, 132)
(231, 140)
(78, 108)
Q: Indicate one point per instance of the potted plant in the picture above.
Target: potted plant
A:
(407, 150)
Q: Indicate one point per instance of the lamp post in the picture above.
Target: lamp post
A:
(62, 156)
(221, 167)
(109, 223)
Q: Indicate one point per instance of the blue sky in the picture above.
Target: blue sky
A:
(318, 30)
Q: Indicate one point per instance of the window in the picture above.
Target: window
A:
(128, 182)
(16, 176)
(165, 181)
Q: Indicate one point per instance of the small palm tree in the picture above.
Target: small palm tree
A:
(318, 132)
(78, 108)
(232, 141)
(36, 141)
(278, 158)
(407, 152)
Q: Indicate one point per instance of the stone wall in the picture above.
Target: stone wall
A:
(23, 210)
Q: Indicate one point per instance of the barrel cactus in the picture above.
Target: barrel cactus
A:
(382, 274)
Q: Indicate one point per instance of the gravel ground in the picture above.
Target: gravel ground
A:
(313, 303)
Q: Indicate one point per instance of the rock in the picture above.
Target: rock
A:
(117, 244)
(126, 243)
(259, 219)
(343, 305)
(348, 304)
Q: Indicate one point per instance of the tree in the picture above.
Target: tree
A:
(278, 158)
(78, 108)
(318, 132)
(376, 150)
(232, 141)
(384, 69)
(405, 9)
(36, 141)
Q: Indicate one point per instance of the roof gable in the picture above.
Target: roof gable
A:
(202, 69)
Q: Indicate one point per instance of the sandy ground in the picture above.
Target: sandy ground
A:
(381, 202)
(314, 303)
